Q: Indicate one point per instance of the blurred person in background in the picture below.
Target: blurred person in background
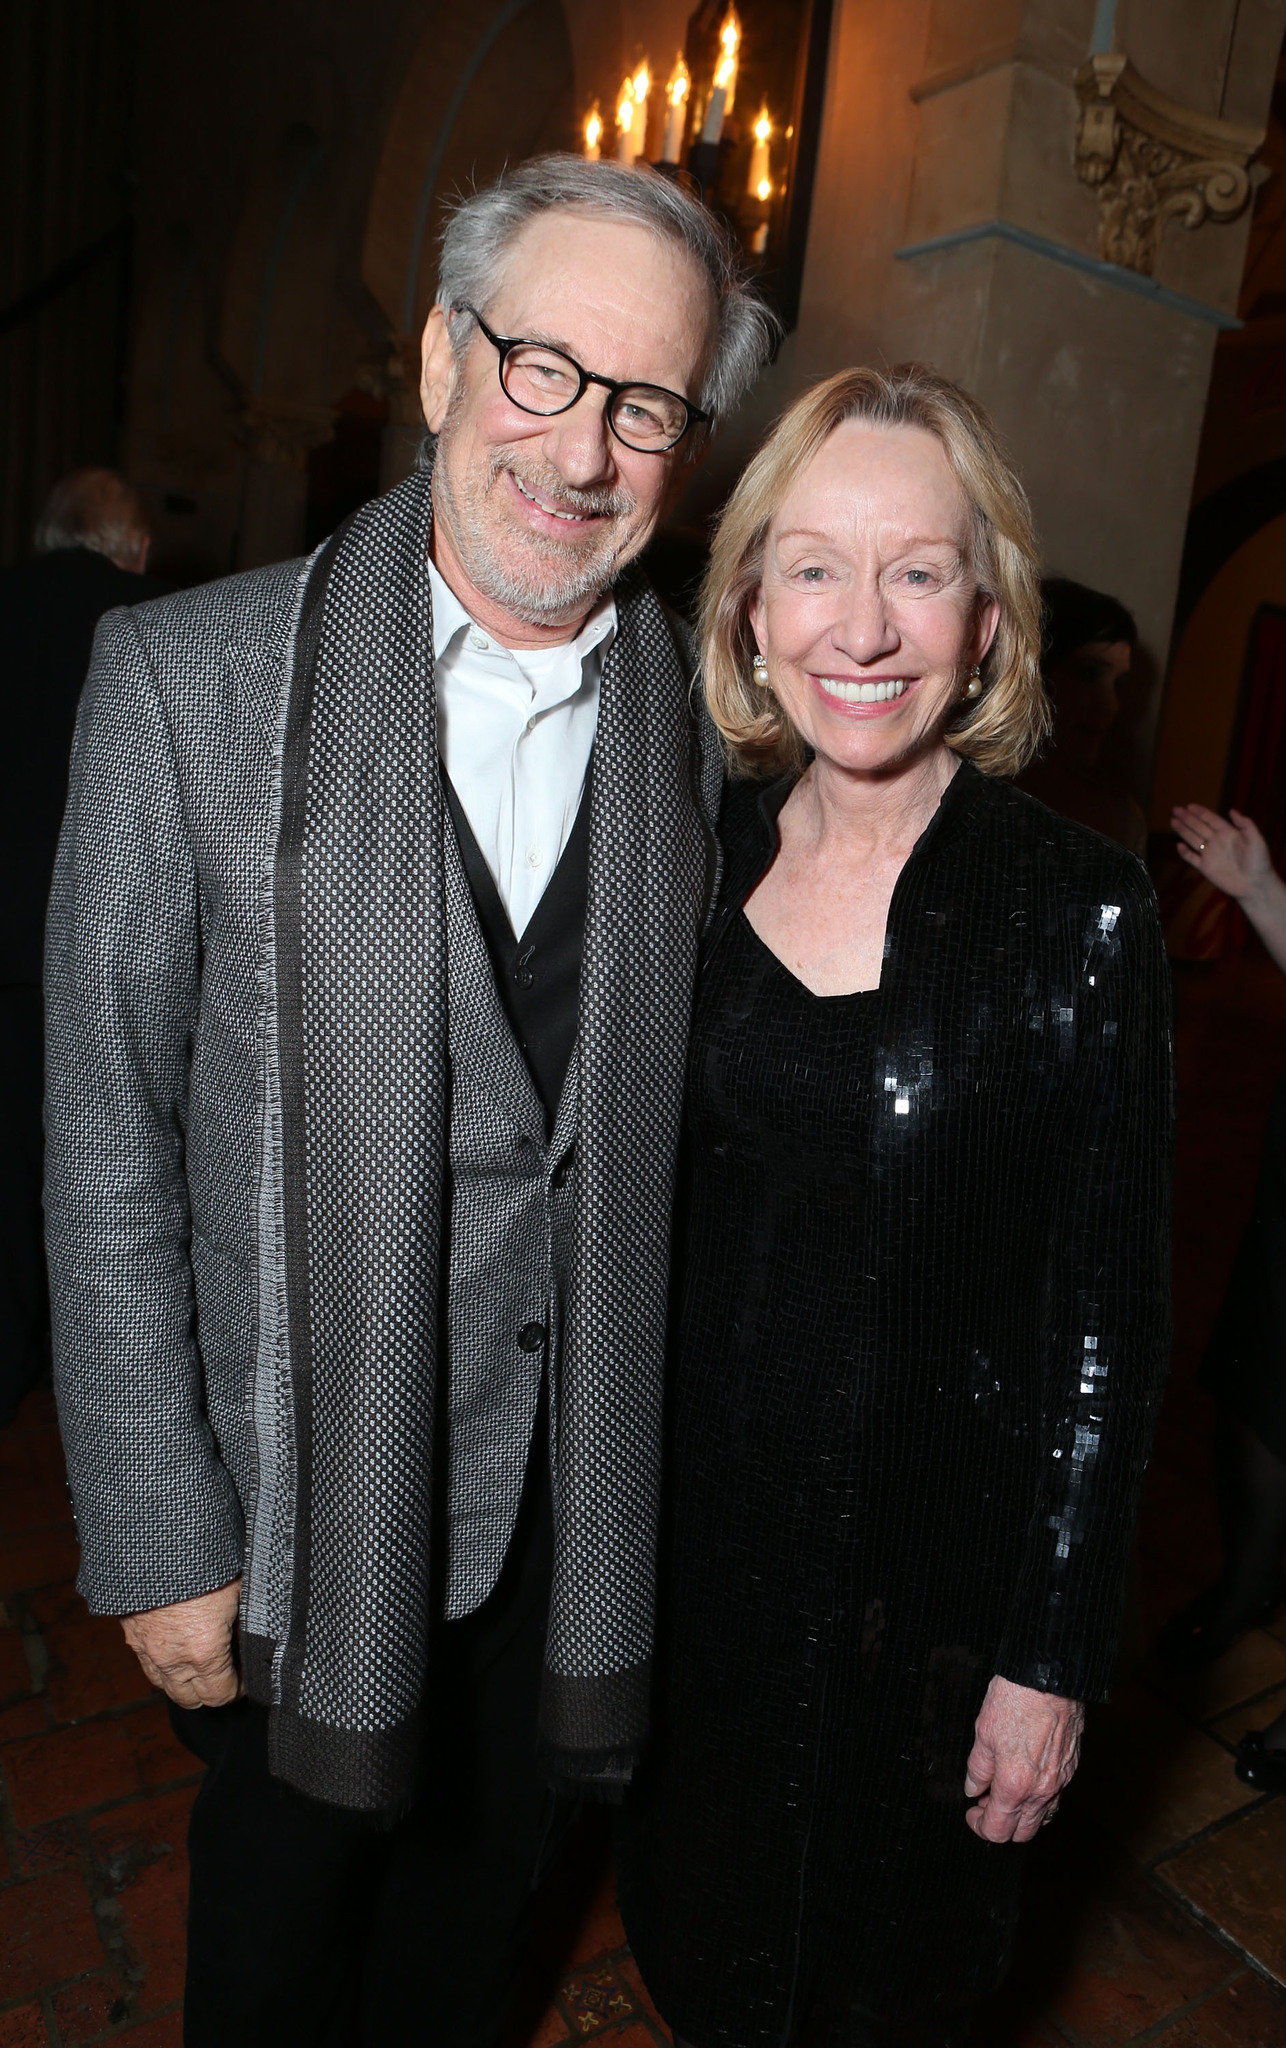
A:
(1087, 646)
(91, 545)
(1245, 1363)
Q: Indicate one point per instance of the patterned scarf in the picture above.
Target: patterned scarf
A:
(337, 1631)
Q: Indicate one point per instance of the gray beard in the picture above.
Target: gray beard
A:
(556, 579)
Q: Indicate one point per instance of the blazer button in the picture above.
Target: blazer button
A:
(562, 1173)
(531, 1337)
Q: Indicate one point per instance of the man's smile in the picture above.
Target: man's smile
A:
(554, 512)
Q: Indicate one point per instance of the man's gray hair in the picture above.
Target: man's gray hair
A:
(481, 226)
(96, 509)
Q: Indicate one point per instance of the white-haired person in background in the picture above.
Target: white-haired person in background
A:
(370, 964)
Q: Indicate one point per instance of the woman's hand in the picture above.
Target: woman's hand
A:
(1026, 1746)
(1230, 852)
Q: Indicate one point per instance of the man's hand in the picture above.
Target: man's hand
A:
(187, 1649)
(1026, 1746)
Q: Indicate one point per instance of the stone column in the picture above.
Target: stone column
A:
(274, 492)
(401, 387)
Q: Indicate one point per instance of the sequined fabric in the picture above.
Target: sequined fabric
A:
(922, 1327)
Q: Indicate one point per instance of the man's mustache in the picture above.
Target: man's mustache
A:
(545, 482)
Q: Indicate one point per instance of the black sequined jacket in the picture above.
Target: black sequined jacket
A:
(1021, 1155)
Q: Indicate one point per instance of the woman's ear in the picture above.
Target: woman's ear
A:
(757, 614)
(437, 369)
(986, 623)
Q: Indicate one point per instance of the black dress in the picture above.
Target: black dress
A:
(922, 1326)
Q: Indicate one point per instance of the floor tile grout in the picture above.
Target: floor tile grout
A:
(1212, 1828)
(1182, 2012)
(1221, 1934)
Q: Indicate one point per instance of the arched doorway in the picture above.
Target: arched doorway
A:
(486, 86)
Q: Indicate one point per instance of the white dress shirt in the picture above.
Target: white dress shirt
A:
(515, 729)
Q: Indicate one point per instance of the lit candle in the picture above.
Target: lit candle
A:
(624, 122)
(760, 185)
(593, 133)
(676, 96)
(640, 86)
(719, 105)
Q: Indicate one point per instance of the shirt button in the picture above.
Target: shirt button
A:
(478, 640)
(533, 856)
(531, 1337)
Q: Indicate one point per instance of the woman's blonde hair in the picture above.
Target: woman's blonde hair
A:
(1001, 729)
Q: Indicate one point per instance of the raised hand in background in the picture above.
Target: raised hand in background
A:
(1232, 853)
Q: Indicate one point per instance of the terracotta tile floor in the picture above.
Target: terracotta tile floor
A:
(1156, 1908)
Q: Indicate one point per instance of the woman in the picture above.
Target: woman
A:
(922, 1317)
(1245, 1363)
(1087, 647)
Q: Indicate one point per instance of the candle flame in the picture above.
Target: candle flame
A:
(680, 83)
(763, 126)
(763, 190)
(593, 127)
(640, 84)
(625, 107)
(725, 72)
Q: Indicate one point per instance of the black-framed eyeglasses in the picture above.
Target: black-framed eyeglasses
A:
(547, 381)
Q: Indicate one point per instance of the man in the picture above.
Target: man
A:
(91, 544)
(368, 1017)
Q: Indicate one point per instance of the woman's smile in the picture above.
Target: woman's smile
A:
(867, 696)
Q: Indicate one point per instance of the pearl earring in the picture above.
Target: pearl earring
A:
(759, 670)
(973, 688)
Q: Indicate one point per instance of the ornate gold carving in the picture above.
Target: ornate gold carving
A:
(1152, 161)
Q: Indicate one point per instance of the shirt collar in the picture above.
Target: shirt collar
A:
(451, 619)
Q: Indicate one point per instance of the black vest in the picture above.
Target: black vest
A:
(538, 975)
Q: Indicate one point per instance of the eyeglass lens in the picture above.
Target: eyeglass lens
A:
(541, 380)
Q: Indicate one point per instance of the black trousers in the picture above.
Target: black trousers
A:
(24, 1293)
(309, 1925)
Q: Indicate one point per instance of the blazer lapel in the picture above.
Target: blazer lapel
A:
(259, 678)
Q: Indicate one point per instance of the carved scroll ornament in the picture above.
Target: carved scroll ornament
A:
(1152, 161)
